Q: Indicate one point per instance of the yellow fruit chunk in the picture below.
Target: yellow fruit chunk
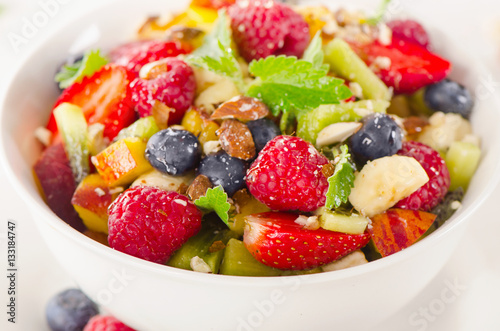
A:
(248, 205)
(192, 122)
(208, 132)
(198, 124)
(122, 162)
(91, 200)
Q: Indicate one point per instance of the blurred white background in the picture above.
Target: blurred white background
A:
(473, 273)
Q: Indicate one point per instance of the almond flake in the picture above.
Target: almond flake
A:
(308, 223)
(161, 113)
(241, 108)
(198, 265)
(43, 135)
(236, 139)
(198, 187)
(336, 133)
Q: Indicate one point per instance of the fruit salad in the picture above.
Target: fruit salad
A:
(256, 138)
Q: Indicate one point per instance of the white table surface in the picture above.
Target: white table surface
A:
(473, 272)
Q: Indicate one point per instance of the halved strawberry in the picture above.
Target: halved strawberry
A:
(136, 54)
(276, 240)
(104, 97)
(411, 66)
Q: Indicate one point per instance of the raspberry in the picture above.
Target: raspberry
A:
(135, 55)
(411, 31)
(431, 194)
(106, 323)
(150, 223)
(264, 27)
(175, 88)
(287, 175)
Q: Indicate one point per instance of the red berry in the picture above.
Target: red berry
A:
(150, 223)
(105, 97)
(106, 323)
(411, 31)
(175, 88)
(265, 27)
(276, 240)
(135, 55)
(411, 66)
(287, 175)
(431, 194)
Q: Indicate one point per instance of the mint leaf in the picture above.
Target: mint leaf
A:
(92, 61)
(216, 53)
(215, 200)
(341, 182)
(379, 16)
(288, 84)
(314, 53)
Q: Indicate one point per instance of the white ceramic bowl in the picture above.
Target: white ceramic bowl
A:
(148, 296)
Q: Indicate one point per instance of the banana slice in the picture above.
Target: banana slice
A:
(383, 182)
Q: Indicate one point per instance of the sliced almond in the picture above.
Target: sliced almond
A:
(236, 139)
(198, 187)
(241, 108)
(216, 94)
(184, 34)
(211, 146)
(153, 69)
(336, 133)
(161, 113)
(354, 259)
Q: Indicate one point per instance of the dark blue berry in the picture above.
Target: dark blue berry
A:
(449, 97)
(263, 131)
(69, 310)
(224, 170)
(380, 136)
(174, 152)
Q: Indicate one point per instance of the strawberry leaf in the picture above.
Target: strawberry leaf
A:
(216, 53)
(92, 61)
(215, 200)
(341, 182)
(288, 84)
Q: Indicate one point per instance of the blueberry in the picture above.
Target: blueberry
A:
(224, 170)
(380, 136)
(263, 131)
(173, 151)
(69, 310)
(449, 97)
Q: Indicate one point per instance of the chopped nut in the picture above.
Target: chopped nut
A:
(415, 125)
(241, 198)
(336, 133)
(384, 34)
(184, 34)
(100, 192)
(309, 223)
(356, 90)
(43, 135)
(153, 69)
(182, 189)
(96, 139)
(455, 205)
(241, 108)
(328, 170)
(354, 259)
(381, 63)
(116, 190)
(198, 187)
(236, 139)
(211, 147)
(216, 246)
(198, 265)
(161, 113)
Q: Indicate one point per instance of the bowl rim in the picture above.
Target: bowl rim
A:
(37, 203)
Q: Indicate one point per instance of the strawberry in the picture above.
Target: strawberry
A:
(105, 97)
(411, 66)
(276, 240)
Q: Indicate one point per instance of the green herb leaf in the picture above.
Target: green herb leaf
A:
(92, 61)
(216, 53)
(215, 200)
(314, 53)
(379, 16)
(341, 182)
(288, 84)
